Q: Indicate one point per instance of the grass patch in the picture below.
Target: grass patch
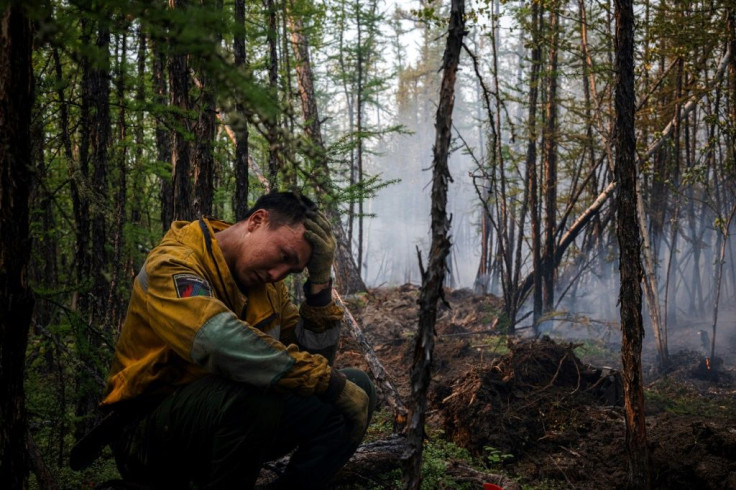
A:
(679, 398)
(595, 349)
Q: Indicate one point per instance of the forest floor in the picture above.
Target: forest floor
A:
(548, 412)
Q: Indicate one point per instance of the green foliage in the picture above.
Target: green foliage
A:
(382, 425)
(50, 387)
(497, 344)
(495, 458)
(435, 457)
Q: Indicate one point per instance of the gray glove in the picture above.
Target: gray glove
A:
(353, 402)
(319, 235)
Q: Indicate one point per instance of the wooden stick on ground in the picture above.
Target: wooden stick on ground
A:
(379, 372)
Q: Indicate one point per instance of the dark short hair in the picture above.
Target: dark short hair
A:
(284, 208)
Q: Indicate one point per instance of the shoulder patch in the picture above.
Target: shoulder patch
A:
(188, 285)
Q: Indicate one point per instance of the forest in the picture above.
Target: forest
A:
(470, 154)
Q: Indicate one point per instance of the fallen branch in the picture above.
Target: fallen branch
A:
(393, 399)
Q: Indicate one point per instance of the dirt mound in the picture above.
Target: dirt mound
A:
(509, 404)
(552, 420)
(692, 452)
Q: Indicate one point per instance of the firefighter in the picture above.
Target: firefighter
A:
(216, 371)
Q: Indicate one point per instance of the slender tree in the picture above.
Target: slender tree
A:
(93, 312)
(549, 268)
(629, 249)
(531, 160)
(433, 278)
(272, 123)
(241, 147)
(180, 149)
(204, 158)
(163, 140)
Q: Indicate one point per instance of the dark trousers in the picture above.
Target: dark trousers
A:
(215, 433)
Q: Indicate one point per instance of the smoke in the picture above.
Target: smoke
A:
(588, 279)
(402, 219)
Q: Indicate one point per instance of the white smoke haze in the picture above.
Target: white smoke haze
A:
(587, 291)
(589, 308)
(402, 224)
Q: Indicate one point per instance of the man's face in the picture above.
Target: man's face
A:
(269, 254)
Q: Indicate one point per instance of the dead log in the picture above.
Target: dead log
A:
(381, 457)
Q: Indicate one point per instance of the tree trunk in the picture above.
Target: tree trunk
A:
(590, 95)
(94, 315)
(204, 158)
(731, 81)
(272, 133)
(180, 159)
(724, 227)
(16, 305)
(163, 140)
(348, 91)
(347, 274)
(549, 267)
(531, 163)
(629, 249)
(359, 126)
(241, 146)
(433, 277)
(112, 304)
(80, 183)
(137, 205)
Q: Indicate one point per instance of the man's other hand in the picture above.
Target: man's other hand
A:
(353, 402)
(319, 234)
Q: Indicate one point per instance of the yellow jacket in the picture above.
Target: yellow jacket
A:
(188, 318)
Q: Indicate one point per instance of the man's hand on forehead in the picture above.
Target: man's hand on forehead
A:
(319, 234)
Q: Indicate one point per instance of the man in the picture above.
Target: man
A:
(216, 371)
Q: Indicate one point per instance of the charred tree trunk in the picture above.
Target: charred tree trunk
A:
(629, 245)
(433, 277)
(16, 305)
(347, 274)
(241, 147)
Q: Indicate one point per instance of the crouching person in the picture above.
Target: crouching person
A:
(216, 371)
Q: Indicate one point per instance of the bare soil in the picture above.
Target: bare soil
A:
(555, 416)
